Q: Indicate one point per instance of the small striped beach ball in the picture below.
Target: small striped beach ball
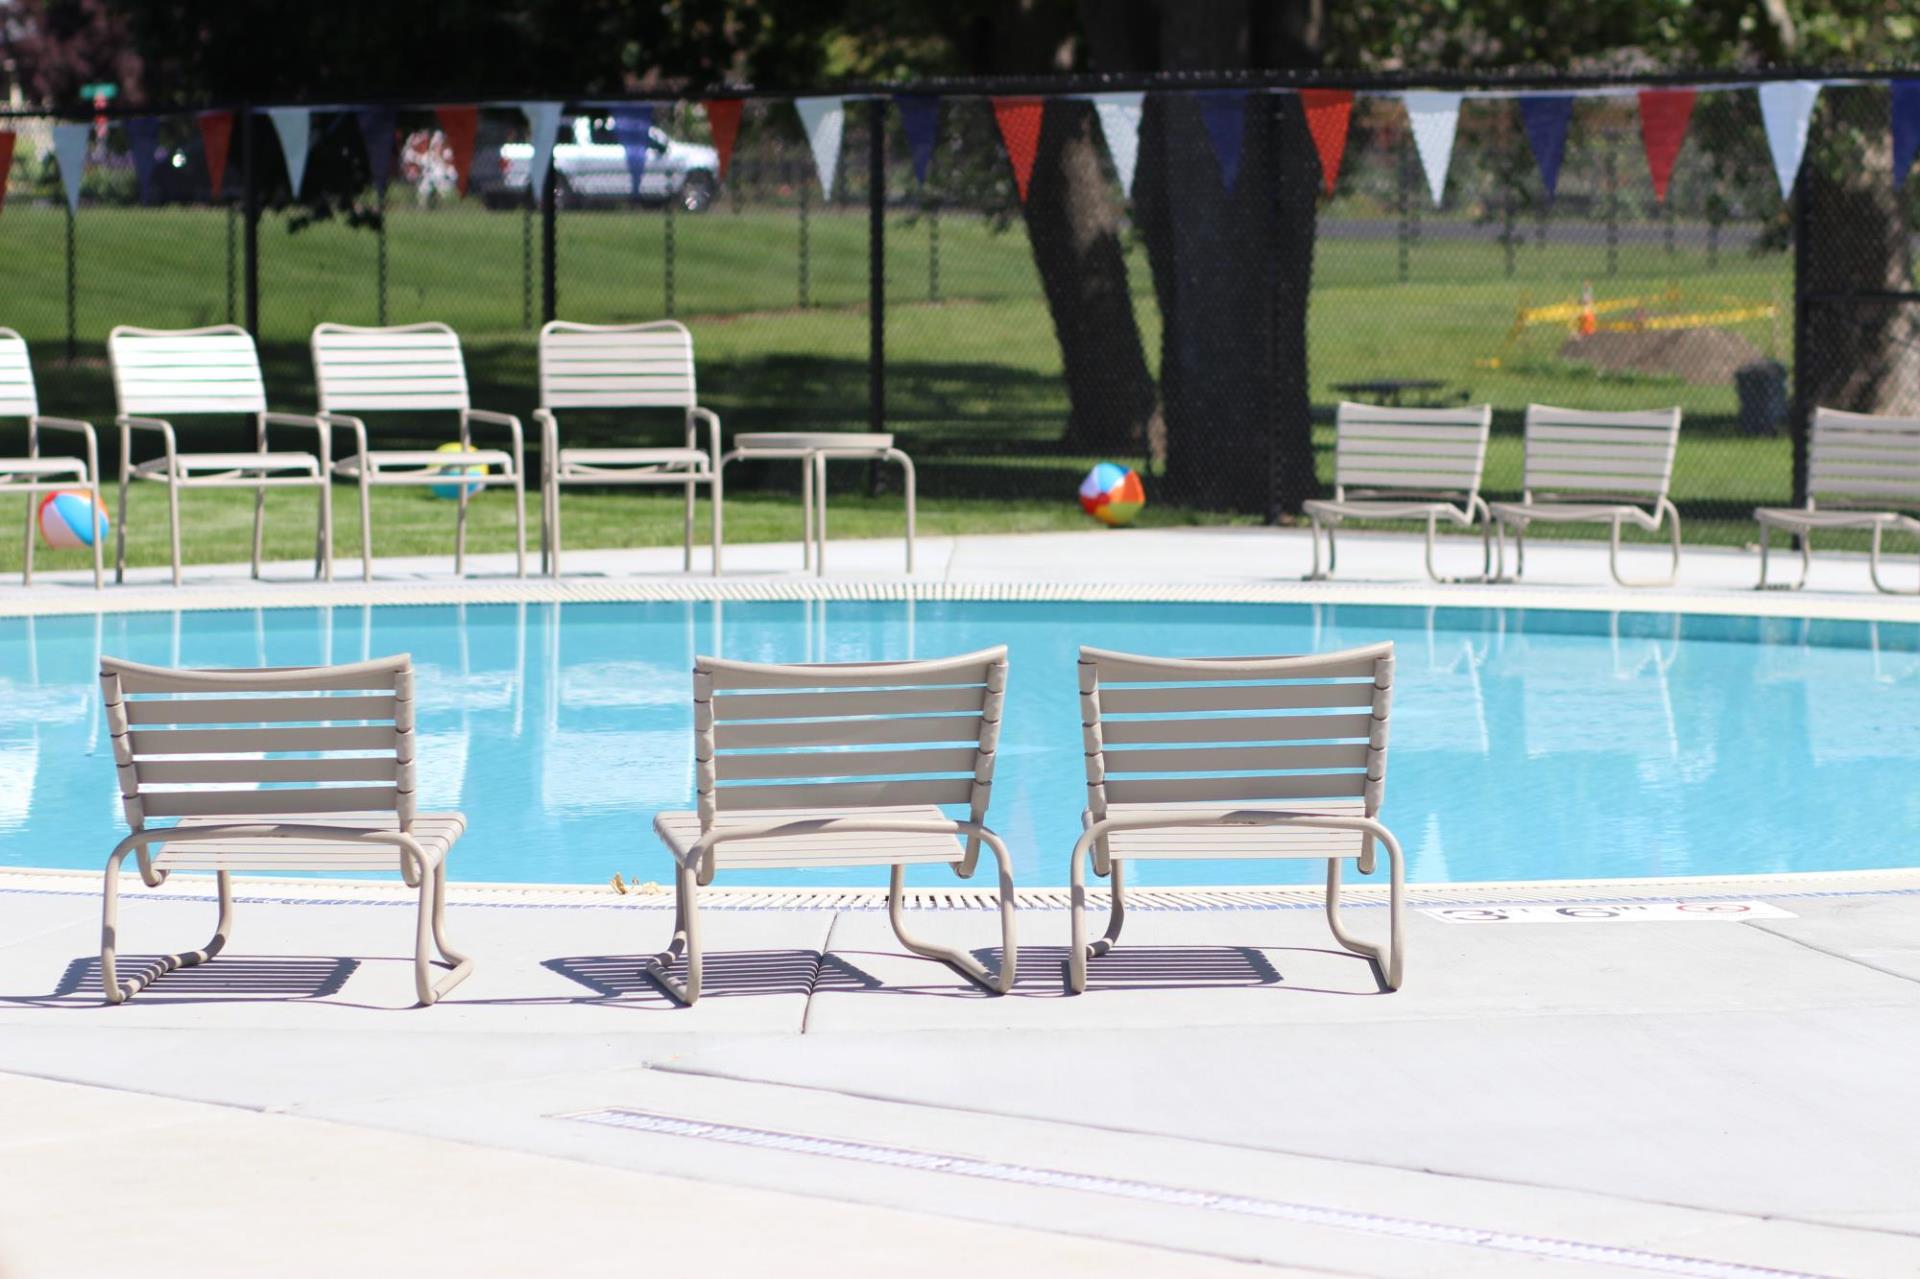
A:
(63, 520)
(1112, 494)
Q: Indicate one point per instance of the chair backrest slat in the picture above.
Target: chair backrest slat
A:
(616, 366)
(167, 371)
(399, 368)
(297, 740)
(17, 395)
(1593, 454)
(1437, 452)
(1320, 751)
(1864, 459)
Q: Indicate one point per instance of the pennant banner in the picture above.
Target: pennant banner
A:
(633, 130)
(6, 164)
(920, 121)
(1786, 108)
(1435, 117)
(824, 119)
(1224, 113)
(1328, 112)
(216, 139)
(543, 130)
(1663, 127)
(460, 125)
(723, 119)
(70, 150)
(295, 128)
(1906, 127)
(376, 134)
(1545, 120)
(1120, 124)
(1019, 120)
(143, 138)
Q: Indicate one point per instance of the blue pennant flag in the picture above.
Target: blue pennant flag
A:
(1224, 112)
(143, 137)
(632, 129)
(1546, 120)
(1906, 127)
(376, 132)
(920, 121)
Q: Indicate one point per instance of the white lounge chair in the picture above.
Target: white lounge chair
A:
(161, 373)
(312, 769)
(622, 366)
(897, 740)
(36, 473)
(413, 368)
(1595, 468)
(1863, 469)
(1406, 464)
(813, 450)
(1176, 768)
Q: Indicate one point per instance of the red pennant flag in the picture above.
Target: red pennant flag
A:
(6, 165)
(216, 131)
(1328, 111)
(1663, 127)
(460, 124)
(1019, 120)
(723, 117)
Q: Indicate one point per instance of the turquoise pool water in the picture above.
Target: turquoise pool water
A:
(1526, 744)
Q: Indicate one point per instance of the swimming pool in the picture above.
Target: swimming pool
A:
(1527, 744)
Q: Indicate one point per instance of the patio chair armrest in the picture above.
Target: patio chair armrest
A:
(507, 420)
(318, 425)
(70, 424)
(129, 424)
(712, 420)
(351, 423)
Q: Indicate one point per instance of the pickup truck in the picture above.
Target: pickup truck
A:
(592, 167)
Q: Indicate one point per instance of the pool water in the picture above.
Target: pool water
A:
(1525, 744)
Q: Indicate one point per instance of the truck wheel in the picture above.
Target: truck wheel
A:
(697, 192)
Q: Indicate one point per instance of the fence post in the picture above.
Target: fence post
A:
(252, 254)
(1801, 410)
(549, 286)
(73, 291)
(877, 264)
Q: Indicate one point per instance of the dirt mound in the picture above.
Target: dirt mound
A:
(1705, 357)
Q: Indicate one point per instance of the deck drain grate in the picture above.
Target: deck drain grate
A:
(1182, 1197)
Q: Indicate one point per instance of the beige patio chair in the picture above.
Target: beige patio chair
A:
(296, 768)
(622, 366)
(162, 373)
(839, 764)
(35, 473)
(1863, 472)
(813, 450)
(1595, 468)
(414, 368)
(1406, 464)
(1177, 768)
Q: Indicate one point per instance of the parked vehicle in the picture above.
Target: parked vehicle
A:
(591, 167)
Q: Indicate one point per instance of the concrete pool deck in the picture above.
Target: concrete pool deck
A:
(1724, 1096)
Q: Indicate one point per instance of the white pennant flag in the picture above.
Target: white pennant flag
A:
(543, 130)
(1786, 107)
(295, 127)
(1434, 116)
(1120, 122)
(825, 119)
(70, 149)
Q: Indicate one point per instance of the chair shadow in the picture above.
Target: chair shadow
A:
(1043, 969)
(725, 974)
(237, 979)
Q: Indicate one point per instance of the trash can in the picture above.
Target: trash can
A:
(1762, 388)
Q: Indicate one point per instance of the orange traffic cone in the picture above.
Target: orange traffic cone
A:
(1589, 322)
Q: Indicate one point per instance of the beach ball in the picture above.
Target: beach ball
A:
(1112, 494)
(452, 491)
(63, 520)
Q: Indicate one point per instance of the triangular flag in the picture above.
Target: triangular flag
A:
(6, 164)
(723, 119)
(376, 134)
(1435, 117)
(633, 130)
(1224, 113)
(543, 130)
(920, 121)
(295, 128)
(1120, 123)
(1786, 108)
(460, 125)
(1545, 120)
(1328, 111)
(1019, 121)
(824, 119)
(1906, 127)
(143, 136)
(70, 149)
(1663, 127)
(216, 138)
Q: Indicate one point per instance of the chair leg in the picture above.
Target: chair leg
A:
(1873, 568)
(519, 522)
(959, 960)
(1387, 959)
(714, 494)
(1613, 556)
(323, 565)
(1317, 575)
(98, 566)
(120, 532)
(1116, 914)
(460, 536)
(806, 512)
(911, 482)
(109, 938)
(555, 561)
(686, 941)
(26, 553)
(432, 925)
(366, 526)
(259, 528)
(173, 526)
(820, 515)
(686, 553)
(1806, 561)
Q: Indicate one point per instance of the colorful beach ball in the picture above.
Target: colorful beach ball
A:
(63, 520)
(452, 491)
(1112, 494)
